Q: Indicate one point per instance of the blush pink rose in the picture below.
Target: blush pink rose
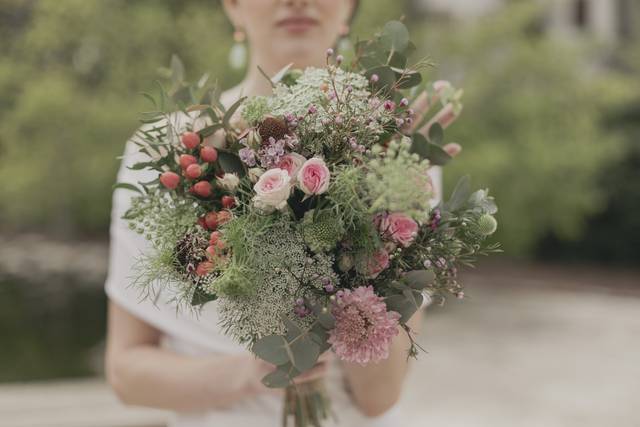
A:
(313, 176)
(272, 189)
(292, 163)
(399, 227)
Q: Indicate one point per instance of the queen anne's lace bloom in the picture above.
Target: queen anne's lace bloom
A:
(364, 328)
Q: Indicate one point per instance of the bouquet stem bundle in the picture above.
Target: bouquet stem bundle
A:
(306, 404)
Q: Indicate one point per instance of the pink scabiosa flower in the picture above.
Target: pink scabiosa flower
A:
(364, 328)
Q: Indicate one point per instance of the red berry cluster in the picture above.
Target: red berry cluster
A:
(192, 167)
(216, 247)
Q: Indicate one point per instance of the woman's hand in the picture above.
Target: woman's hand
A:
(448, 114)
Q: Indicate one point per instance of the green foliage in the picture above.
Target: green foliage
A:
(70, 76)
(321, 230)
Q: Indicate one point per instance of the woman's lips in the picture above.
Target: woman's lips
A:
(297, 24)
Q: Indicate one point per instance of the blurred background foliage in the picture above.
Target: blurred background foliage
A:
(551, 127)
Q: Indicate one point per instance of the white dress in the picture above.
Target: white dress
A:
(187, 333)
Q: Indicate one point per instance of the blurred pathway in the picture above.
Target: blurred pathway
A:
(528, 352)
(528, 348)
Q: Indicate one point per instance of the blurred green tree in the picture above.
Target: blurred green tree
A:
(70, 76)
(533, 124)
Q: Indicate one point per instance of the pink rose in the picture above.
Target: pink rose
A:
(272, 190)
(399, 227)
(372, 266)
(292, 163)
(313, 176)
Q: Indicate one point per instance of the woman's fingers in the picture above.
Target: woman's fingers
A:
(420, 106)
(452, 149)
(318, 371)
(444, 117)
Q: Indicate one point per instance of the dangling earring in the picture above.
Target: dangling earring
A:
(238, 52)
(344, 45)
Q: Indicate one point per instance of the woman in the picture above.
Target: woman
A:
(163, 358)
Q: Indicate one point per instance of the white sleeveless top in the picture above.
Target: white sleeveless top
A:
(187, 333)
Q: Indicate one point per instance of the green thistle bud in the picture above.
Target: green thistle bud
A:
(323, 232)
(487, 225)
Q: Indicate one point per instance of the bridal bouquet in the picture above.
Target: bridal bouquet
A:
(307, 214)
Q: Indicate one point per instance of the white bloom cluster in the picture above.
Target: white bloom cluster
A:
(285, 273)
(308, 91)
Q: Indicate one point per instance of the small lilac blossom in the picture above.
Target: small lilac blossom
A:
(247, 156)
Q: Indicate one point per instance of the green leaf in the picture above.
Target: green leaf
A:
(305, 352)
(419, 279)
(229, 113)
(436, 134)
(209, 130)
(280, 378)
(386, 76)
(272, 348)
(460, 194)
(127, 186)
(395, 36)
(419, 145)
(201, 297)
(143, 165)
(231, 163)
(324, 316)
(320, 336)
(409, 80)
(406, 303)
(177, 69)
(397, 61)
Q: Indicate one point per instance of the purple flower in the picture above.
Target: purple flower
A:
(247, 156)
(364, 328)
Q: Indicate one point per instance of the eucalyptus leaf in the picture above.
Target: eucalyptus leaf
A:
(272, 348)
(460, 194)
(285, 374)
(409, 80)
(436, 155)
(436, 134)
(395, 36)
(386, 76)
(305, 352)
(231, 163)
(419, 279)
(406, 304)
(276, 379)
(320, 336)
(324, 316)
